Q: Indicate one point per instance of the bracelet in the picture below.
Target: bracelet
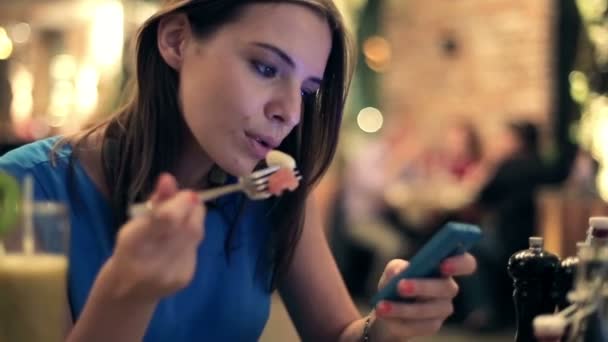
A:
(365, 337)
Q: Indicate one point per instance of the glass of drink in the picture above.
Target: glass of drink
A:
(33, 275)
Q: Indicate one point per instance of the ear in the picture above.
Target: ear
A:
(173, 33)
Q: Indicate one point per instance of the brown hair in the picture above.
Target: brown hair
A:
(143, 138)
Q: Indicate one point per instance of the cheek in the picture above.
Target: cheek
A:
(244, 105)
(229, 100)
(214, 117)
(192, 107)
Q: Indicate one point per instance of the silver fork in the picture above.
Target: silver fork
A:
(255, 186)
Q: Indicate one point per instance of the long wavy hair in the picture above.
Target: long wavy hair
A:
(143, 137)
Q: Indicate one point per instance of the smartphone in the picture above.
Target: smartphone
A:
(453, 238)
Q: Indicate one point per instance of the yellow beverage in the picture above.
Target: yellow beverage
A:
(33, 301)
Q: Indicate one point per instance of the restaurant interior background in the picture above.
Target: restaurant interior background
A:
(424, 67)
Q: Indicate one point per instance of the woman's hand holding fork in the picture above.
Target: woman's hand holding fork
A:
(155, 254)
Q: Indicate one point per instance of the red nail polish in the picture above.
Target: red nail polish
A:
(407, 287)
(384, 308)
(447, 268)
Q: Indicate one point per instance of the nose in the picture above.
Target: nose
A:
(285, 107)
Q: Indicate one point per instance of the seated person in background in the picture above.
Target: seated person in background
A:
(507, 198)
(462, 151)
(396, 190)
(447, 178)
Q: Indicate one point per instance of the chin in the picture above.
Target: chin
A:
(238, 168)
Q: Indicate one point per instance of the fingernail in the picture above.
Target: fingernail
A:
(383, 308)
(407, 287)
(447, 268)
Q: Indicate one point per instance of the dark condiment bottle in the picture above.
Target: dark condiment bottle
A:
(533, 272)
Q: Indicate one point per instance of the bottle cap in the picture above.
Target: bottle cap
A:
(598, 227)
(549, 325)
(599, 221)
(536, 242)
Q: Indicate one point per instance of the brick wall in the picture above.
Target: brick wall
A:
(487, 59)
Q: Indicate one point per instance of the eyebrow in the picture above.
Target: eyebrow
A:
(284, 56)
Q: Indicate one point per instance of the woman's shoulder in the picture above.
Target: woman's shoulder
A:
(32, 156)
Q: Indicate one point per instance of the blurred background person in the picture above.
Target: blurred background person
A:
(461, 152)
(506, 207)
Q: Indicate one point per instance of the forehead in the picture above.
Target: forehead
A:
(296, 29)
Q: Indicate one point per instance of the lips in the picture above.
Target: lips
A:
(260, 145)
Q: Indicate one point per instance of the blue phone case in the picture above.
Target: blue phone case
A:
(453, 239)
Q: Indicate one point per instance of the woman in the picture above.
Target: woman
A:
(219, 84)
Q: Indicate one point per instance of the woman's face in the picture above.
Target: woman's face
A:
(241, 88)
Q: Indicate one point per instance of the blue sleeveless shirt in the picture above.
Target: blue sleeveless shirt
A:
(228, 299)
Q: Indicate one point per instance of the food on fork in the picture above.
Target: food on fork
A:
(281, 159)
(285, 178)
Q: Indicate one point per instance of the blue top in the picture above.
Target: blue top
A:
(228, 299)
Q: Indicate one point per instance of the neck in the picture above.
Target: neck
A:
(193, 165)
(191, 169)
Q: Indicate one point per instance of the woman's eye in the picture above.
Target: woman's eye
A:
(308, 93)
(264, 70)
